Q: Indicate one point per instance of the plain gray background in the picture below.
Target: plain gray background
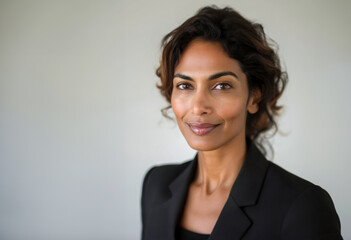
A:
(80, 119)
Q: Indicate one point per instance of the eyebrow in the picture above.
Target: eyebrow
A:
(212, 77)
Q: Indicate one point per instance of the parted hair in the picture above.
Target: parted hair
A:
(242, 40)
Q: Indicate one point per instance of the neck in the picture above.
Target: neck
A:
(218, 169)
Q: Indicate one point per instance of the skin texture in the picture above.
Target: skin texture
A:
(210, 87)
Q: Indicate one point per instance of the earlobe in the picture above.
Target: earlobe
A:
(255, 98)
(252, 108)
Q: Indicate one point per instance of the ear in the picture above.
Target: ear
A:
(254, 100)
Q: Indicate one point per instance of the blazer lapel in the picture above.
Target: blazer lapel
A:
(233, 223)
(166, 213)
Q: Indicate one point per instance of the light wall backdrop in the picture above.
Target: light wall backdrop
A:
(80, 119)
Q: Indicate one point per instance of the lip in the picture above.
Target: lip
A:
(201, 128)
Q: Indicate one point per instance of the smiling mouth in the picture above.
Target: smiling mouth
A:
(202, 129)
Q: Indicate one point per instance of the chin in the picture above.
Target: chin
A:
(203, 145)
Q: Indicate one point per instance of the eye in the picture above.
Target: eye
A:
(222, 86)
(184, 86)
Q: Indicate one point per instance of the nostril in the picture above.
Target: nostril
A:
(199, 110)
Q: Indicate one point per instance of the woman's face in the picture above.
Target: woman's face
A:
(210, 97)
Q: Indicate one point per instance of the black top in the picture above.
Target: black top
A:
(183, 234)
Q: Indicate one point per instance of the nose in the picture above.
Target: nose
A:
(201, 103)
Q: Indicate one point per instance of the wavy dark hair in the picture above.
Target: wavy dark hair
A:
(242, 40)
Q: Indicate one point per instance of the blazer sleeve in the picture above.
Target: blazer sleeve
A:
(312, 216)
(144, 199)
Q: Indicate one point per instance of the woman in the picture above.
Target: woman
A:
(223, 81)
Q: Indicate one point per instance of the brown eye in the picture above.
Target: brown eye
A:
(184, 86)
(222, 86)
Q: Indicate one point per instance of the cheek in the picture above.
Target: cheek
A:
(178, 106)
(232, 109)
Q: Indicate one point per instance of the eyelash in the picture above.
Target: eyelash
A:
(225, 85)
(187, 86)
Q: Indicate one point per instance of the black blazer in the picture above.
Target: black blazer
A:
(265, 203)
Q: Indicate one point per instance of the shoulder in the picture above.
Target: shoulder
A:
(285, 180)
(309, 209)
(164, 174)
(158, 178)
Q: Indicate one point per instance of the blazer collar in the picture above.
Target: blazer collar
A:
(247, 186)
(232, 222)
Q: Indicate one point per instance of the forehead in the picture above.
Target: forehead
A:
(206, 57)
